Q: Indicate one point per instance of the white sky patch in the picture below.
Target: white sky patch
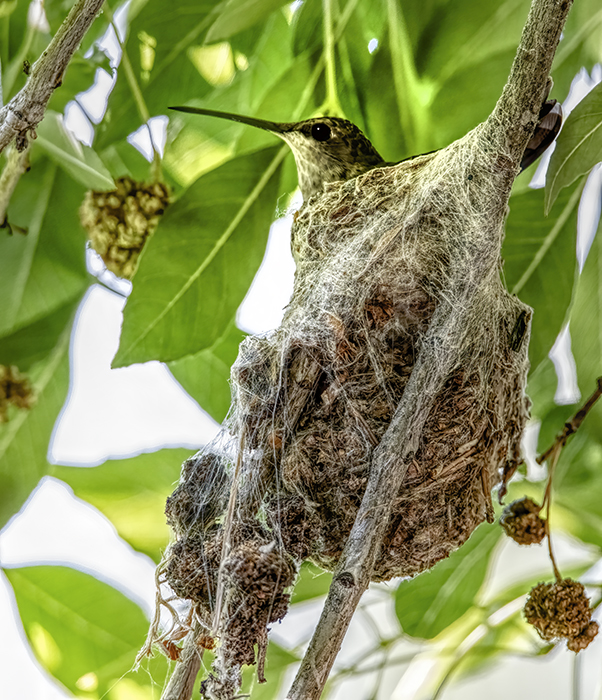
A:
(589, 214)
(113, 413)
(561, 355)
(141, 139)
(373, 45)
(263, 307)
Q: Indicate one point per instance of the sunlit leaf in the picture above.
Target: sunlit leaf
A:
(578, 147)
(45, 269)
(206, 252)
(431, 601)
(131, 493)
(205, 376)
(76, 159)
(158, 45)
(83, 631)
(312, 582)
(24, 439)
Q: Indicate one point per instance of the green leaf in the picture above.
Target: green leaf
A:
(76, 159)
(312, 582)
(585, 327)
(278, 660)
(466, 32)
(24, 439)
(580, 45)
(540, 262)
(205, 376)
(83, 631)
(577, 483)
(578, 147)
(31, 344)
(431, 601)
(45, 269)
(206, 252)
(131, 493)
(158, 46)
(477, 84)
(238, 15)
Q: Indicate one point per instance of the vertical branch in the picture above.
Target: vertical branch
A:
(505, 133)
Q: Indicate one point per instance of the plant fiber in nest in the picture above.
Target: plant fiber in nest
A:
(376, 257)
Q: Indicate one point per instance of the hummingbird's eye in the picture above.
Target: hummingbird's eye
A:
(321, 132)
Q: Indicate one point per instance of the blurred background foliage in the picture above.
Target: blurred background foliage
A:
(414, 75)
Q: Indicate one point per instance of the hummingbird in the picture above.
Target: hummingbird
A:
(330, 149)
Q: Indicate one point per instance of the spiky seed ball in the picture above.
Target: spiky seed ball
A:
(119, 222)
(522, 523)
(15, 389)
(561, 610)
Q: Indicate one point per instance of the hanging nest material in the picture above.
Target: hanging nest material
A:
(375, 257)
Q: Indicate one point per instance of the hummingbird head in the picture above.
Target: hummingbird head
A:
(326, 149)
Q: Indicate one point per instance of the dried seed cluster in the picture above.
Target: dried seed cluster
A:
(15, 390)
(119, 222)
(562, 610)
(521, 522)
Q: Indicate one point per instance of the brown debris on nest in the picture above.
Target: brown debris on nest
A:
(375, 257)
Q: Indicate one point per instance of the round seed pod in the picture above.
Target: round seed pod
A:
(559, 610)
(521, 522)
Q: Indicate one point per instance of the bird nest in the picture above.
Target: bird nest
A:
(376, 256)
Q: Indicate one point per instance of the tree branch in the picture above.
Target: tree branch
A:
(496, 148)
(26, 109)
(514, 118)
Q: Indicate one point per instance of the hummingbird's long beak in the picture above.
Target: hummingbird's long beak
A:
(277, 128)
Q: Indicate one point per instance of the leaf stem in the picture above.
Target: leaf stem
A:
(143, 111)
(332, 97)
(406, 81)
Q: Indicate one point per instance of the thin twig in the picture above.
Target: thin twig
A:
(181, 683)
(26, 109)
(548, 502)
(573, 424)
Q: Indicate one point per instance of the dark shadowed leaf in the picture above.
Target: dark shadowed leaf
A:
(206, 252)
(540, 262)
(431, 601)
(238, 15)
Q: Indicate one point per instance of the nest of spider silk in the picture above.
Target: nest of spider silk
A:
(375, 257)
